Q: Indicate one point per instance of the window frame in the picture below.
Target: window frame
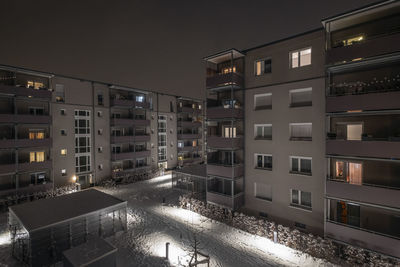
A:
(298, 51)
(262, 60)
(262, 107)
(293, 138)
(263, 161)
(263, 131)
(300, 104)
(299, 205)
(299, 172)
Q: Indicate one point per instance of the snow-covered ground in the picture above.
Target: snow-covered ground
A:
(151, 224)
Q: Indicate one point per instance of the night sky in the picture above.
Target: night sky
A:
(157, 45)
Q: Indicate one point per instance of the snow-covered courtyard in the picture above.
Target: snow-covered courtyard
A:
(151, 224)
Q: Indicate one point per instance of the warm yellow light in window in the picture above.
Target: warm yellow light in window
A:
(228, 70)
(40, 135)
(353, 40)
(34, 85)
(31, 156)
(63, 152)
(40, 156)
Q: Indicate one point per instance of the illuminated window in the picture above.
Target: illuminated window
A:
(63, 152)
(140, 98)
(60, 93)
(34, 85)
(228, 70)
(63, 172)
(349, 172)
(262, 66)
(37, 156)
(353, 40)
(229, 132)
(194, 143)
(36, 134)
(300, 58)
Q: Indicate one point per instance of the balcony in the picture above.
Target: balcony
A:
(27, 190)
(131, 155)
(365, 239)
(23, 118)
(7, 168)
(129, 122)
(220, 113)
(362, 193)
(373, 149)
(189, 136)
(129, 139)
(11, 143)
(189, 109)
(129, 103)
(225, 81)
(189, 124)
(230, 171)
(380, 45)
(23, 91)
(189, 148)
(34, 166)
(225, 143)
(226, 201)
(373, 101)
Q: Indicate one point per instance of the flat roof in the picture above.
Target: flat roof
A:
(224, 56)
(46, 212)
(89, 252)
(194, 170)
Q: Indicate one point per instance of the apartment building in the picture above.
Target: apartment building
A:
(190, 131)
(305, 130)
(57, 130)
(363, 127)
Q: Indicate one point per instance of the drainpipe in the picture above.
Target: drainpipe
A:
(94, 135)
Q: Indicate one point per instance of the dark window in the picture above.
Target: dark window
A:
(100, 99)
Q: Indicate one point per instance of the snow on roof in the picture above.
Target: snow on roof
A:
(194, 170)
(89, 252)
(45, 212)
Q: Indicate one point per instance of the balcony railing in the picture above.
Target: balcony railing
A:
(130, 155)
(129, 103)
(27, 92)
(129, 122)
(225, 81)
(373, 149)
(130, 138)
(223, 170)
(224, 142)
(11, 143)
(220, 113)
(226, 201)
(23, 118)
(382, 44)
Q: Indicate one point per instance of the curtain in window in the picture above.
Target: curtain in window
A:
(40, 156)
(355, 172)
(295, 59)
(305, 57)
(301, 130)
(32, 157)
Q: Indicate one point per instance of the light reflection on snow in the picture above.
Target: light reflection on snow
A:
(5, 238)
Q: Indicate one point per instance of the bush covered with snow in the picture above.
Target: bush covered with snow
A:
(21, 198)
(311, 244)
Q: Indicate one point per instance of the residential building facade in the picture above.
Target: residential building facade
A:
(57, 130)
(305, 130)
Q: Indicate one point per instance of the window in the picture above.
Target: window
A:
(63, 112)
(171, 106)
(180, 144)
(36, 134)
(162, 153)
(63, 132)
(34, 85)
(262, 66)
(99, 114)
(300, 58)
(263, 131)
(162, 140)
(300, 225)
(60, 93)
(82, 163)
(301, 165)
(300, 198)
(300, 131)
(354, 131)
(300, 97)
(36, 111)
(263, 161)
(263, 101)
(349, 172)
(63, 152)
(63, 172)
(100, 131)
(100, 99)
(140, 98)
(263, 191)
(82, 144)
(100, 167)
(37, 156)
(100, 149)
(229, 132)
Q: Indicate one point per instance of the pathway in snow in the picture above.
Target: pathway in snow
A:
(151, 225)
